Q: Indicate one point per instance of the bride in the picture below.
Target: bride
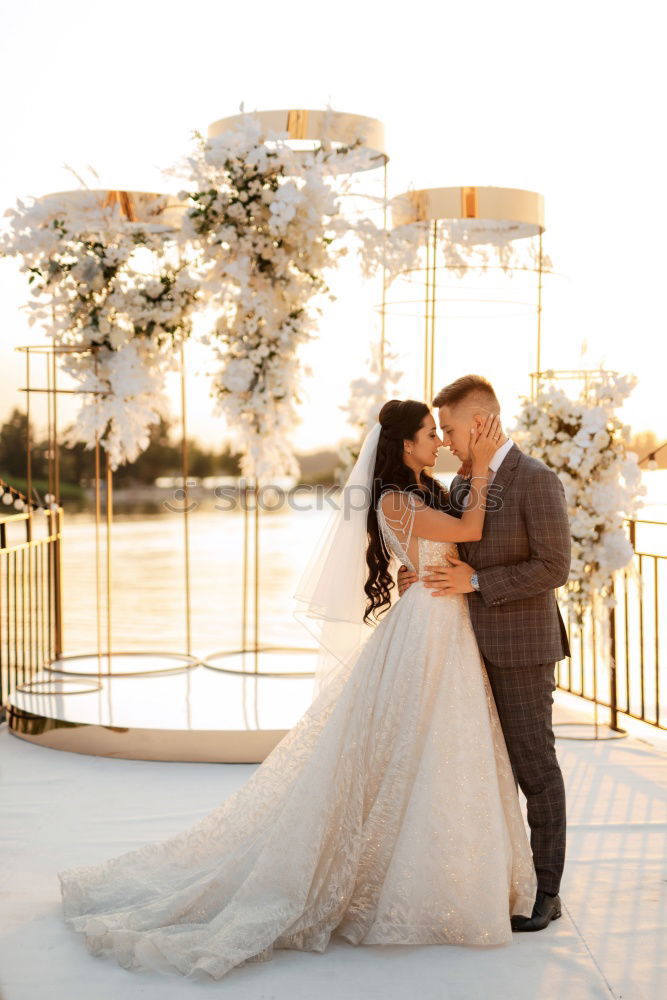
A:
(388, 814)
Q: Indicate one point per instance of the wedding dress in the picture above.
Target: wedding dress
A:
(387, 815)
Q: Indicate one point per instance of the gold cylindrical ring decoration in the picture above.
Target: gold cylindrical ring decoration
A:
(521, 211)
(150, 209)
(315, 126)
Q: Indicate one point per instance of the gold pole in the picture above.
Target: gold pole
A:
(535, 387)
(98, 515)
(60, 642)
(58, 550)
(256, 581)
(186, 532)
(186, 535)
(434, 261)
(56, 450)
(98, 588)
(29, 521)
(28, 445)
(108, 541)
(246, 517)
(384, 273)
(427, 311)
(49, 428)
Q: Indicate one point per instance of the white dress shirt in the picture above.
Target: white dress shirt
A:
(497, 460)
(494, 463)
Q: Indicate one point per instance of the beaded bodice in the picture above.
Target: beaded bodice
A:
(414, 552)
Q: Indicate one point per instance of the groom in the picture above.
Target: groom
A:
(510, 578)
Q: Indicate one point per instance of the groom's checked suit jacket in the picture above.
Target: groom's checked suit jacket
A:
(524, 554)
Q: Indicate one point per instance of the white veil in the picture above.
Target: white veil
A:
(330, 595)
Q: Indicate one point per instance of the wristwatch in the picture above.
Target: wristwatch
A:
(473, 582)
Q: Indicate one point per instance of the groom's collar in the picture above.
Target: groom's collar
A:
(506, 469)
(497, 458)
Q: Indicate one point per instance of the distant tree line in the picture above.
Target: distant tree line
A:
(162, 457)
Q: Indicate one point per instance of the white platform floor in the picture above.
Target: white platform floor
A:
(60, 809)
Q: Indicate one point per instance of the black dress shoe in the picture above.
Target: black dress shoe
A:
(546, 909)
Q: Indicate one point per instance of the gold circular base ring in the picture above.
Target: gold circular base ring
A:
(260, 651)
(191, 661)
(26, 687)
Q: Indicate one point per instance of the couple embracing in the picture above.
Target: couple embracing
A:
(389, 813)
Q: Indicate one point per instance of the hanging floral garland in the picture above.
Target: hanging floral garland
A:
(584, 441)
(473, 245)
(269, 223)
(117, 290)
(368, 393)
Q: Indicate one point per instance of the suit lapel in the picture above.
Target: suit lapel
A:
(505, 473)
(498, 488)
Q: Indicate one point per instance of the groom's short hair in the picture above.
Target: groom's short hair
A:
(474, 389)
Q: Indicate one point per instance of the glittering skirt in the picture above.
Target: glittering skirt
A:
(387, 815)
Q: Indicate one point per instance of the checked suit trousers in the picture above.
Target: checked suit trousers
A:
(524, 699)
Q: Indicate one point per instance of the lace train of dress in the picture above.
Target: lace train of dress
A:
(387, 815)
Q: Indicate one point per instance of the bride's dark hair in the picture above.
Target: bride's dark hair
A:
(399, 419)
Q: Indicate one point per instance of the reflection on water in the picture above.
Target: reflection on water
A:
(148, 579)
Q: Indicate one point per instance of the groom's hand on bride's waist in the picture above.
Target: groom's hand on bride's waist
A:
(405, 578)
(451, 579)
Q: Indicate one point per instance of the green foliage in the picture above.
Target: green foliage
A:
(162, 457)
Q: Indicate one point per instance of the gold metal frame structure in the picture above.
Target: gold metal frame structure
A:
(158, 212)
(520, 212)
(104, 651)
(246, 743)
(585, 376)
(305, 129)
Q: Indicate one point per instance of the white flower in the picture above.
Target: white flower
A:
(238, 375)
(631, 471)
(575, 456)
(118, 337)
(616, 551)
(153, 289)
(606, 498)
(594, 419)
(603, 486)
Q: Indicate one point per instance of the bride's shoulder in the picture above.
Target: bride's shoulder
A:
(394, 502)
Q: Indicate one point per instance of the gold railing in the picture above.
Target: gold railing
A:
(618, 662)
(30, 595)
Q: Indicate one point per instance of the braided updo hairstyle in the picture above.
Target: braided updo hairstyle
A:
(399, 419)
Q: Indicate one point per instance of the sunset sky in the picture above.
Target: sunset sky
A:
(565, 99)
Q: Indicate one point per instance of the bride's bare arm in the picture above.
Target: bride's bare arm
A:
(435, 525)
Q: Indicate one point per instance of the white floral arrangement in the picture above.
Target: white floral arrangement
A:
(474, 246)
(269, 224)
(585, 442)
(116, 290)
(367, 396)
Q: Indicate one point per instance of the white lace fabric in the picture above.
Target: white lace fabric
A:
(387, 815)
